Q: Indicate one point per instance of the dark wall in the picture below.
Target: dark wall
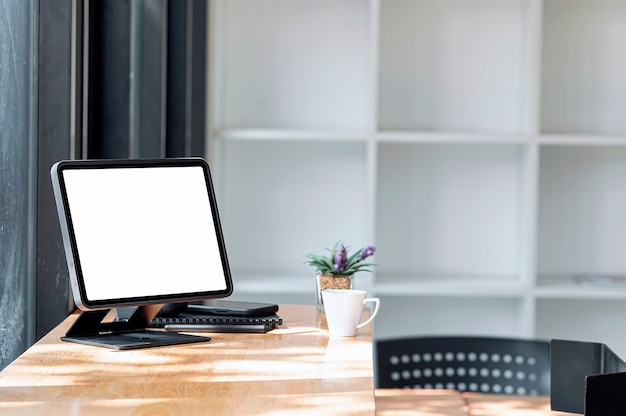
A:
(17, 185)
(145, 78)
(34, 125)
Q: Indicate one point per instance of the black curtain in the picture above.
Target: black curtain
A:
(143, 76)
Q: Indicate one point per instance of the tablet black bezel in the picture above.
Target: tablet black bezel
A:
(69, 240)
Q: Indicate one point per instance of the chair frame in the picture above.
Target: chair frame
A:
(465, 363)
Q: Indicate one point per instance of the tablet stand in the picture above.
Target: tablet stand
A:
(129, 334)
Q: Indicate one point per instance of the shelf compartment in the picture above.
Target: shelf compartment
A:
(582, 201)
(282, 200)
(451, 209)
(292, 135)
(583, 83)
(405, 316)
(449, 285)
(582, 140)
(294, 64)
(451, 137)
(452, 66)
(583, 320)
(570, 287)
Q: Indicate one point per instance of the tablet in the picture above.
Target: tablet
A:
(140, 232)
(137, 234)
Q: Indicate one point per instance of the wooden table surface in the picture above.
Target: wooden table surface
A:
(399, 402)
(296, 369)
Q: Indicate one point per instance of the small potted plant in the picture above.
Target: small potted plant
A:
(336, 270)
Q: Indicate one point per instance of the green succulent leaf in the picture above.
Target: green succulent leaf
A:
(347, 264)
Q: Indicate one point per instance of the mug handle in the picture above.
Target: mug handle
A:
(373, 315)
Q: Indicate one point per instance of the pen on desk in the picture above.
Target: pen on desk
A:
(238, 328)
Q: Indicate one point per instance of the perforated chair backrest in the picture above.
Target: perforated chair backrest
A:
(480, 364)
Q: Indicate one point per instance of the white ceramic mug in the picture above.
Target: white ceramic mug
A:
(343, 308)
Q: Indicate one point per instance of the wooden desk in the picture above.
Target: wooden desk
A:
(293, 370)
(398, 402)
(498, 405)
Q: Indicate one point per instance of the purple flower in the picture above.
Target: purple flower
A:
(341, 256)
(367, 251)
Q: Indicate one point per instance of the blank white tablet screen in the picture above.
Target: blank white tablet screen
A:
(144, 231)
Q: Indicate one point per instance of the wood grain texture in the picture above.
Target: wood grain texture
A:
(296, 369)
(422, 402)
(497, 405)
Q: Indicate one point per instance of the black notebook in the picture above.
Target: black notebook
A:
(184, 318)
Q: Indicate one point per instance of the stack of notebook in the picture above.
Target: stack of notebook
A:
(221, 316)
(219, 323)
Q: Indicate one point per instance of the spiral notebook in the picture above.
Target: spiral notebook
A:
(214, 316)
(184, 318)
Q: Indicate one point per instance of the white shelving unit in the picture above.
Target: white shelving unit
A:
(480, 145)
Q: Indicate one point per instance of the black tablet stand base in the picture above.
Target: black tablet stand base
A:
(123, 335)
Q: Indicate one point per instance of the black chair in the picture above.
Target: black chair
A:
(476, 364)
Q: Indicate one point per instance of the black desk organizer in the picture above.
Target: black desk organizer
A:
(587, 377)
